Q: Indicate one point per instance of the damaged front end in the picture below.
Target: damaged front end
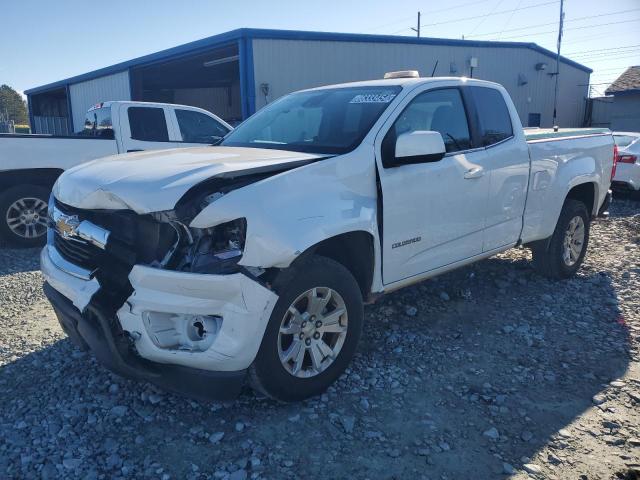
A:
(156, 299)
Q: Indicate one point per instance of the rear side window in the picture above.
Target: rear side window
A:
(493, 114)
(97, 123)
(196, 127)
(148, 124)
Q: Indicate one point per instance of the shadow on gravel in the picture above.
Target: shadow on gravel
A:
(454, 378)
(16, 260)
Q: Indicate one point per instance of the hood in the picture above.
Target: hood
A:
(154, 181)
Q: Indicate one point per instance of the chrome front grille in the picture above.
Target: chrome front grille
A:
(77, 251)
(76, 239)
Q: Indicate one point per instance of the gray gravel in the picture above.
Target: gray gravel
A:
(488, 372)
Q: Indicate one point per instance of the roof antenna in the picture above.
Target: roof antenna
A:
(434, 68)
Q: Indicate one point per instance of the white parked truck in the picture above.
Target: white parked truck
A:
(199, 269)
(30, 164)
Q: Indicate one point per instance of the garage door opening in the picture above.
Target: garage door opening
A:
(50, 112)
(209, 80)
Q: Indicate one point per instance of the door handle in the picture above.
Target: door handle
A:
(475, 172)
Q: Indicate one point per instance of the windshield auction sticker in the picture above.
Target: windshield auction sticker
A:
(373, 98)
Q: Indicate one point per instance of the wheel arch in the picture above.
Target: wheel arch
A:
(354, 250)
(587, 193)
(44, 177)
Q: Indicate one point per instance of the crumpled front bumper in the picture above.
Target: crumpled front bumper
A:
(123, 341)
(243, 305)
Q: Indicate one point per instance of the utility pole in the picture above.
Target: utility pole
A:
(417, 29)
(555, 95)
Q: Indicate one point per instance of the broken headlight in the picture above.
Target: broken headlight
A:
(217, 249)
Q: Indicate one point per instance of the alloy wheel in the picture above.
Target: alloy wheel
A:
(312, 332)
(27, 217)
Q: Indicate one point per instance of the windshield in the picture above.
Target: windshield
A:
(97, 123)
(320, 121)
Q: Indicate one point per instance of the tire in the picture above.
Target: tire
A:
(276, 378)
(31, 200)
(550, 256)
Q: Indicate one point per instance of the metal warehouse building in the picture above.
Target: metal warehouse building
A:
(235, 73)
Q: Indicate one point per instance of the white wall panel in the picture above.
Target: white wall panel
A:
(289, 65)
(86, 94)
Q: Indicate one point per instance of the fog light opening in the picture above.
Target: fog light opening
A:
(200, 331)
(182, 331)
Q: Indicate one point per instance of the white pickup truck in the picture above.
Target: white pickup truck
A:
(198, 269)
(30, 164)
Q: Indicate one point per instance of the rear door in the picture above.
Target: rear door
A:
(433, 212)
(145, 128)
(506, 164)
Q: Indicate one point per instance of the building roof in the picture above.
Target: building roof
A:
(628, 82)
(251, 33)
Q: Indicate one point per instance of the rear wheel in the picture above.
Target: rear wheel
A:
(312, 333)
(23, 215)
(562, 254)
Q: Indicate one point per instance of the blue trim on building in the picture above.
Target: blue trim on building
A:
(69, 110)
(32, 122)
(242, 65)
(249, 33)
(250, 92)
(130, 84)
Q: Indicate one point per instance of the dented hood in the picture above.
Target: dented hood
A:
(154, 181)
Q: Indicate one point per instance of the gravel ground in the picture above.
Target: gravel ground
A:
(488, 372)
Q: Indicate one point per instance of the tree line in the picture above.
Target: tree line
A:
(13, 106)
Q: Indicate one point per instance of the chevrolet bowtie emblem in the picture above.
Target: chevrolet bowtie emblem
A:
(66, 225)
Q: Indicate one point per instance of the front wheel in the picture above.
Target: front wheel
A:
(23, 215)
(561, 256)
(312, 333)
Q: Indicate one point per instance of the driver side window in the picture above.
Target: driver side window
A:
(436, 110)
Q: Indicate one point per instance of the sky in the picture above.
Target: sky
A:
(45, 41)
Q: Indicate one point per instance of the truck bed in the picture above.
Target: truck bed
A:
(537, 134)
(28, 151)
(558, 159)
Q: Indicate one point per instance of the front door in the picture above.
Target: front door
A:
(433, 212)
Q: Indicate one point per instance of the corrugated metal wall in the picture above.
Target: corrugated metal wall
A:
(625, 114)
(601, 108)
(86, 94)
(223, 101)
(289, 65)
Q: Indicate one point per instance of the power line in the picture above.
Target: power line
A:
(604, 54)
(475, 17)
(553, 23)
(611, 69)
(576, 28)
(617, 33)
(434, 11)
(404, 19)
(510, 18)
(492, 12)
(622, 57)
(602, 49)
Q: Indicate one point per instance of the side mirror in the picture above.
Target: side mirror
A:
(419, 147)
